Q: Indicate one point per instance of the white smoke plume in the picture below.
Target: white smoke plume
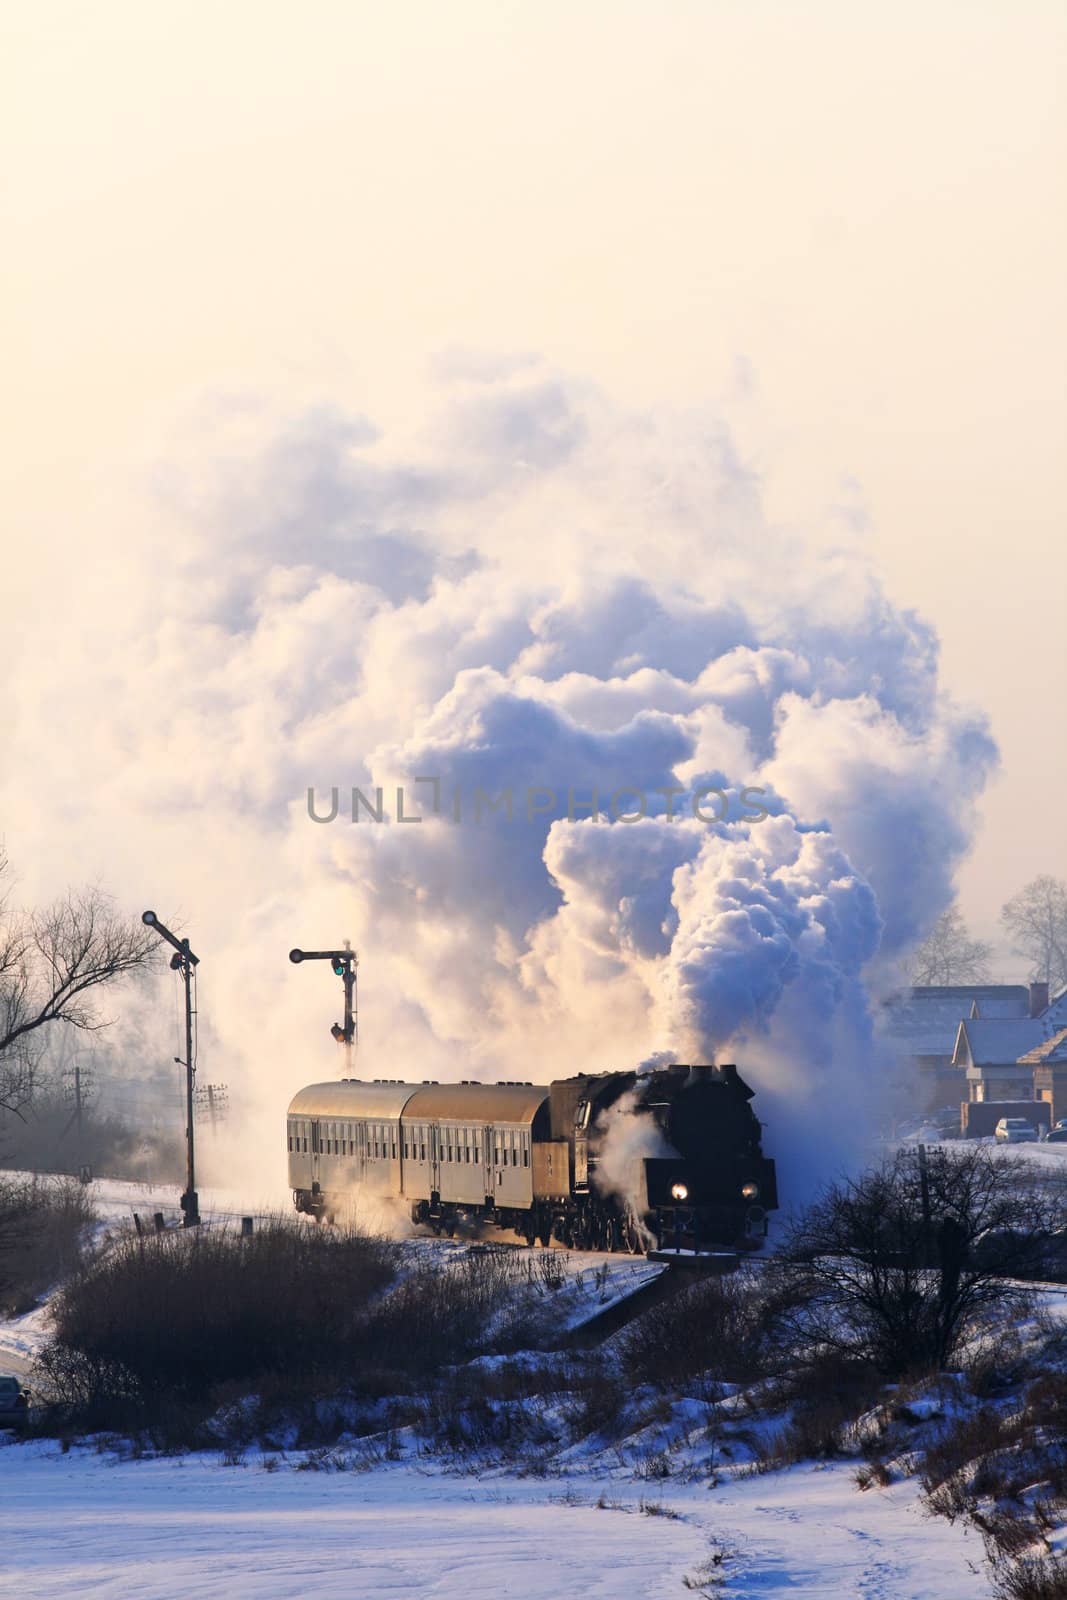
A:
(534, 591)
(627, 1137)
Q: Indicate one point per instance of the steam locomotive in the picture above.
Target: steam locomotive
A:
(610, 1161)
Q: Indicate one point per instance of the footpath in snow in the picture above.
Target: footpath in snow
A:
(168, 1529)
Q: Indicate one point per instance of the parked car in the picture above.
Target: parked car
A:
(1056, 1135)
(14, 1402)
(1015, 1130)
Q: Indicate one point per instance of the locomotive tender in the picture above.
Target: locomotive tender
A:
(524, 1156)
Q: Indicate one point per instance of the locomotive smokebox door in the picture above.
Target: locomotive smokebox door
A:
(670, 1183)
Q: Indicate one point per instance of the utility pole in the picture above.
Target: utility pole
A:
(78, 1100)
(80, 1090)
(344, 963)
(185, 962)
(215, 1097)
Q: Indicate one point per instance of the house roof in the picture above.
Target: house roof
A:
(1052, 1049)
(998, 1042)
(925, 1020)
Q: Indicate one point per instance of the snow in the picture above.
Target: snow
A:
(194, 1526)
(157, 1529)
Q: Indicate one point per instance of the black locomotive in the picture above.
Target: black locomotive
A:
(616, 1160)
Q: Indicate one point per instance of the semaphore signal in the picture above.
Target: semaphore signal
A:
(344, 963)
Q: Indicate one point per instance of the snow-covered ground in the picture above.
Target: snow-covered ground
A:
(194, 1526)
(153, 1530)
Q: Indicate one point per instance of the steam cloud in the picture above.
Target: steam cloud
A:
(536, 591)
(625, 1139)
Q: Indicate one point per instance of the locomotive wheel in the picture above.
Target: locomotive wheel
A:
(630, 1237)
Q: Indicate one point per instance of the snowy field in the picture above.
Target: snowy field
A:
(156, 1530)
(198, 1526)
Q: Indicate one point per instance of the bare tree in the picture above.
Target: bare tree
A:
(948, 955)
(1036, 919)
(900, 1265)
(52, 963)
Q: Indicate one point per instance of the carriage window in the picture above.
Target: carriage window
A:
(526, 1149)
(392, 1141)
(422, 1144)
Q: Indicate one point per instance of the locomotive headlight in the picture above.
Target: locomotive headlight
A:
(750, 1191)
(679, 1191)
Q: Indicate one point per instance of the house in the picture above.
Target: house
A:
(988, 1053)
(1015, 1058)
(1049, 1063)
(921, 1025)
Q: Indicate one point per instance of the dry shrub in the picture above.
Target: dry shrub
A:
(972, 1441)
(441, 1312)
(1032, 1578)
(180, 1313)
(43, 1228)
(719, 1328)
(597, 1402)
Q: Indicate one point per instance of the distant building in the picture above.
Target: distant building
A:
(1017, 1058)
(988, 1054)
(1049, 1061)
(982, 1043)
(923, 1024)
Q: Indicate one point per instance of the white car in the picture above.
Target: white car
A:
(1015, 1130)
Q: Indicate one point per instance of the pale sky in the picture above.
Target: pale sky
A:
(843, 226)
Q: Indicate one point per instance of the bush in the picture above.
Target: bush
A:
(441, 1312)
(43, 1227)
(1033, 1578)
(905, 1263)
(180, 1313)
(719, 1328)
(293, 1324)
